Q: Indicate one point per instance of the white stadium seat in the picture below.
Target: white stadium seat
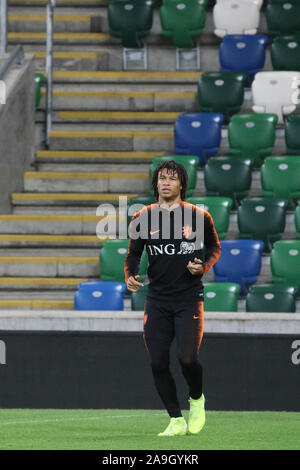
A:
(236, 17)
(275, 92)
(259, 3)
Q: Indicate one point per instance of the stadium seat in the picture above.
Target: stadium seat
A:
(262, 219)
(275, 92)
(243, 53)
(271, 298)
(285, 51)
(130, 21)
(138, 298)
(283, 17)
(232, 17)
(297, 220)
(252, 135)
(228, 177)
(198, 134)
(112, 256)
(292, 134)
(221, 296)
(182, 20)
(190, 163)
(259, 3)
(100, 296)
(280, 178)
(39, 79)
(240, 262)
(285, 262)
(221, 92)
(219, 208)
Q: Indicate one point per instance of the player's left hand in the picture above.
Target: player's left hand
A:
(195, 267)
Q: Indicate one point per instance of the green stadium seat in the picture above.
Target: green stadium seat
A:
(138, 298)
(252, 135)
(271, 298)
(190, 163)
(182, 20)
(130, 21)
(138, 203)
(280, 178)
(219, 208)
(285, 51)
(221, 296)
(292, 134)
(285, 262)
(221, 92)
(39, 79)
(228, 177)
(297, 219)
(112, 256)
(283, 17)
(262, 219)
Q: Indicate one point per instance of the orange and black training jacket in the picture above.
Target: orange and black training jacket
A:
(172, 238)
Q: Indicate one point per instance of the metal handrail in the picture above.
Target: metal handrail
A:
(49, 67)
(3, 27)
(17, 56)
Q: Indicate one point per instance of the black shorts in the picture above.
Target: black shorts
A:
(165, 320)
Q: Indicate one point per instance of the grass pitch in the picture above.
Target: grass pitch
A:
(22, 429)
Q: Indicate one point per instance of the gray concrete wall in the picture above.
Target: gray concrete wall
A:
(17, 130)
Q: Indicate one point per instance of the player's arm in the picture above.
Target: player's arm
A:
(211, 243)
(133, 258)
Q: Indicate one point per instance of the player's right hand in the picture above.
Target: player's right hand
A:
(133, 284)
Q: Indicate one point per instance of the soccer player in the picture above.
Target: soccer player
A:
(182, 245)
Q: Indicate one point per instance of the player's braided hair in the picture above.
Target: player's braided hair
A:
(171, 166)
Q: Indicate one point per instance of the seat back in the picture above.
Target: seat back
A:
(198, 134)
(221, 296)
(130, 21)
(232, 17)
(280, 178)
(239, 262)
(275, 92)
(285, 262)
(182, 20)
(259, 3)
(252, 135)
(285, 51)
(112, 257)
(283, 17)
(243, 53)
(221, 92)
(297, 219)
(292, 134)
(262, 219)
(228, 177)
(189, 162)
(219, 208)
(271, 298)
(100, 296)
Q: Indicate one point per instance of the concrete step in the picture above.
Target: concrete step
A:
(85, 182)
(44, 157)
(38, 284)
(72, 60)
(25, 240)
(59, 3)
(33, 37)
(36, 304)
(78, 22)
(108, 116)
(95, 167)
(69, 199)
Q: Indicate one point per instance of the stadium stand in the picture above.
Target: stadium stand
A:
(219, 208)
(285, 266)
(285, 52)
(221, 296)
(271, 298)
(100, 296)
(283, 17)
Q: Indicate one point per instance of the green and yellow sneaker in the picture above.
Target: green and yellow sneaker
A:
(196, 415)
(177, 427)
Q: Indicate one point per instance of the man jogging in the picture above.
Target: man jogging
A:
(182, 244)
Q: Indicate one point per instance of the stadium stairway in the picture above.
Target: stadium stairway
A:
(107, 126)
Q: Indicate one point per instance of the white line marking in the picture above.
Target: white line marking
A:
(55, 420)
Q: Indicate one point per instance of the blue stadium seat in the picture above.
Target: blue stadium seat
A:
(240, 262)
(198, 134)
(100, 295)
(243, 53)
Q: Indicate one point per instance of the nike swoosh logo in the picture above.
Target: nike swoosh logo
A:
(194, 316)
(152, 233)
